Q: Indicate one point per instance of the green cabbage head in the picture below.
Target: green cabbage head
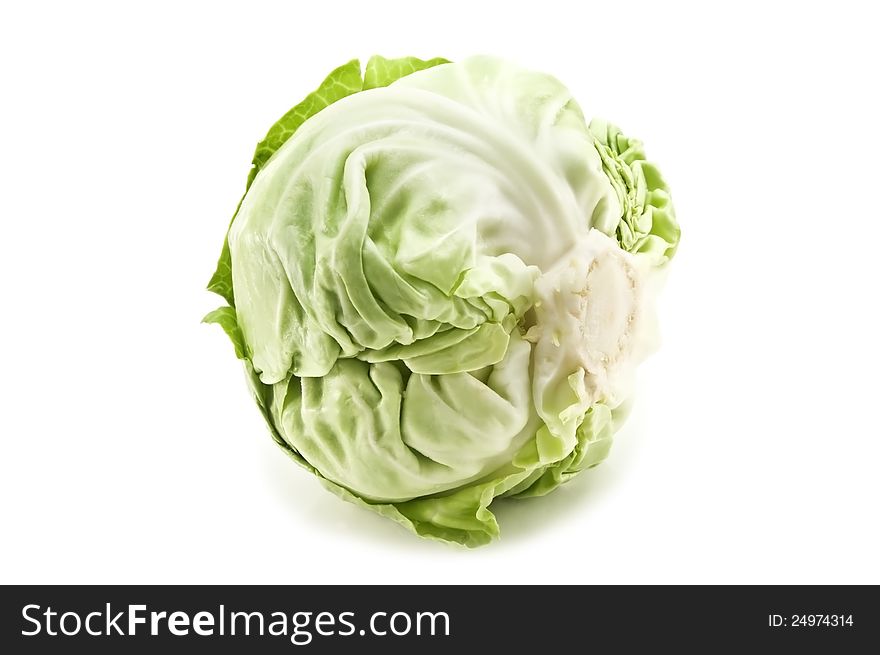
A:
(439, 280)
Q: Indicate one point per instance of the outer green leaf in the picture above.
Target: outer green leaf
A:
(382, 72)
(342, 82)
(221, 282)
(225, 317)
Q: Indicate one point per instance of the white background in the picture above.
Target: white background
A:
(131, 451)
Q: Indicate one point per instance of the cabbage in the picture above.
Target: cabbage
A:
(439, 280)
